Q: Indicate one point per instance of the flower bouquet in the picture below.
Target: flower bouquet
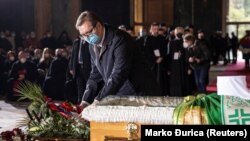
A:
(12, 135)
(48, 119)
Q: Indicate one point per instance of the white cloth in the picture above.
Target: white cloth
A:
(147, 110)
(141, 114)
(233, 86)
(235, 110)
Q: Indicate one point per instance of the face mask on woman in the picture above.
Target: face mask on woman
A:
(12, 58)
(185, 45)
(23, 60)
(46, 55)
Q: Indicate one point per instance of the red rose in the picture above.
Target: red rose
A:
(68, 107)
(52, 106)
(47, 99)
(78, 109)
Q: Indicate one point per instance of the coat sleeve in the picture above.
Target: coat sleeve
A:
(72, 58)
(92, 85)
(13, 71)
(120, 72)
(205, 54)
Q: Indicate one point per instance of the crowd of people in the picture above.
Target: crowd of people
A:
(179, 57)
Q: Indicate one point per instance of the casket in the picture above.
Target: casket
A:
(119, 118)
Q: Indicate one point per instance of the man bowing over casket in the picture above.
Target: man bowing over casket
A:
(118, 67)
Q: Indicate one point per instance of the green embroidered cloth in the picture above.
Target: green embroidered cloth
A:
(235, 110)
(200, 109)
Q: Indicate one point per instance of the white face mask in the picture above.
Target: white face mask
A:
(23, 60)
(46, 55)
(12, 58)
(185, 45)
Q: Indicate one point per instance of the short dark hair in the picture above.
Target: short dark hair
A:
(155, 24)
(189, 37)
(88, 16)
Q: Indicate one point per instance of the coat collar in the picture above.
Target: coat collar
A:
(109, 34)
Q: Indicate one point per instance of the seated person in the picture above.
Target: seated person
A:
(21, 71)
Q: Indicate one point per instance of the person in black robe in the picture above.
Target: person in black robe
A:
(235, 47)
(153, 49)
(178, 69)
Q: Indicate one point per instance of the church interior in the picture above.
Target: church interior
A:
(198, 53)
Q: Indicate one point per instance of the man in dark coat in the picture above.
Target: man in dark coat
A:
(115, 60)
(80, 66)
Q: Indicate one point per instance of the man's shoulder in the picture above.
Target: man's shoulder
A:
(76, 40)
(116, 32)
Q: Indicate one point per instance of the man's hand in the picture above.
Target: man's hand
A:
(95, 102)
(83, 105)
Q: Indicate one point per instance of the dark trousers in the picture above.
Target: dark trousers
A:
(247, 62)
(234, 50)
(54, 88)
(200, 75)
(81, 81)
(71, 92)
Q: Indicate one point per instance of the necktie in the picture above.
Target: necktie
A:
(80, 57)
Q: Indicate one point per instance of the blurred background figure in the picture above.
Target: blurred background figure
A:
(56, 76)
(21, 71)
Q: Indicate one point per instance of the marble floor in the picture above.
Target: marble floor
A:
(11, 114)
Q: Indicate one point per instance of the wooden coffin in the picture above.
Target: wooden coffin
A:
(120, 118)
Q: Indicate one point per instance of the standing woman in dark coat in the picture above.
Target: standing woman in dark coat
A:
(199, 59)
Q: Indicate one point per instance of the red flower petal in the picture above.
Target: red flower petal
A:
(64, 115)
(68, 107)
